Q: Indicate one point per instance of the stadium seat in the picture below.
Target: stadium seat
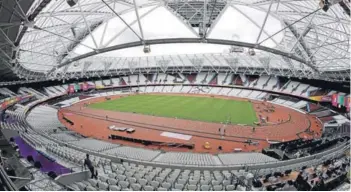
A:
(205, 187)
(148, 188)
(123, 184)
(90, 188)
(230, 187)
(121, 177)
(155, 184)
(114, 188)
(166, 185)
(74, 187)
(112, 181)
(136, 187)
(112, 175)
(93, 182)
(132, 180)
(103, 186)
(179, 186)
(142, 182)
(81, 186)
(192, 187)
(217, 187)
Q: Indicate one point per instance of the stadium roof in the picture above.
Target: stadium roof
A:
(42, 38)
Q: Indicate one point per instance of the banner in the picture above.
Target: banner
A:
(341, 99)
(70, 89)
(9, 101)
(90, 85)
(84, 86)
(348, 103)
(321, 98)
(99, 86)
(326, 98)
(334, 100)
(76, 87)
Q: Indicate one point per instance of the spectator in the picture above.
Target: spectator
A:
(87, 163)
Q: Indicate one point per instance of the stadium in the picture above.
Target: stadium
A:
(176, 95)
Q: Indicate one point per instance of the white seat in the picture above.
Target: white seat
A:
(179, 186)
(149, 177)
(114, 188)
(129, 173)
(92, 182)
(120, 172)
(142, 182)
(138, 176)
(160, 179)
(103, 178)
(155, 184)
(204, 182)
(161, 189)
(217, 188)
(215, 182)
(219, 178)
(230, 187)
(182, 181)
(121, 177)
(193, 182)
(112, 181)
(240, 188)
(192, 187)
(166, 185)
(112, 175)
(74, 187)
(103, 186)
(226, 182)
(81, 185)
(90, 188)
(136, 186)
(123, 184)
(132, 180)
(148, 188)
(205, 187)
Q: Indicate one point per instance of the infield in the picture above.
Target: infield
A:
(184, 107)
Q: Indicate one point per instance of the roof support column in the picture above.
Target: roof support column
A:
(141, 39)
(139, 23)
(264, 21)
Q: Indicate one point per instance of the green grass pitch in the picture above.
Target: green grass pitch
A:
(184, 107)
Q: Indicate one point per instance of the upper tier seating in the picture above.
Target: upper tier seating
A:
(224, 78)
(48, 118)
(201, 78)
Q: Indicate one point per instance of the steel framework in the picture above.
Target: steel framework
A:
(315, 43)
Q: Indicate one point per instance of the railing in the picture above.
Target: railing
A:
(6, 182)
(22, 175)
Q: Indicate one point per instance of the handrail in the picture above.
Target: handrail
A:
(6, 181)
